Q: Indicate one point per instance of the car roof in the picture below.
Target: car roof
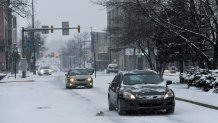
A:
(78, 69)
(112, 64)
(45, 67)
(147, 72)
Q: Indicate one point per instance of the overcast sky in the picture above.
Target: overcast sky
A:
(77, 12)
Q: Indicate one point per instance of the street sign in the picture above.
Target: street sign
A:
(65, 25)
(28, 44)
(45, 31)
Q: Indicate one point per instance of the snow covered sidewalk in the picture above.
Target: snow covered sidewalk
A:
(11, 78)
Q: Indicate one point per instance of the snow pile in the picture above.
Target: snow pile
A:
(201, 78)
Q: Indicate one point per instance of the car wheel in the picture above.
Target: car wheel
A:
(119, 109)
(110, 106)
(90, 87)
(170, 111)
(67, 87)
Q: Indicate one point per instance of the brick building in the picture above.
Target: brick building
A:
(3, 37)
(8, 36)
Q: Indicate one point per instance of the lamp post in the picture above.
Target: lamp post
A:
(15, 57)
(33, 39)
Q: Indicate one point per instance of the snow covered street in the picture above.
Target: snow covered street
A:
(47, 101)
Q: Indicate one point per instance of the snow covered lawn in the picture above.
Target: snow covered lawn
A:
(192, 93)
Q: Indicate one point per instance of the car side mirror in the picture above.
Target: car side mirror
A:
(169, 82)
(114, 84)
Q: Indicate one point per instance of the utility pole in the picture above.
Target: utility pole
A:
(84, 54)
(33, 40)
(80, 46)
(93, 47)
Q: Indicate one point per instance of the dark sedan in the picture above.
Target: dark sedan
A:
(140, 92)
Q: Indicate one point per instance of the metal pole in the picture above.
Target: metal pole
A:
(84, 57)
(22, 52)
(93, 41)
(80, 54)
(22, 42)
(33, 38)
(95, 64)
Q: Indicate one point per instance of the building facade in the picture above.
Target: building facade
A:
(8, 37)
(126, 56)
(100, 50)
(3, 37)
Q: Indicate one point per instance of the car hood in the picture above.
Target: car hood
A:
(80, 76)
(144, 90)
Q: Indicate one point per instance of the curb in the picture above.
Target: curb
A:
(197, 103)
(18, 81)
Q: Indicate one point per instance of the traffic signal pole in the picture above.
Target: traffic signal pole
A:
(22, 42)
(33, 38)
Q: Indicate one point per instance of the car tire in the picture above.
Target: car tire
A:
(110, 106)
(90, 87)
(119, 109)
(67, 87)
(170, 110)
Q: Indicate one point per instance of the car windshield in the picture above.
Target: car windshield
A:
(78, 72)
(45, 67)
(113, 66)
(133, 79)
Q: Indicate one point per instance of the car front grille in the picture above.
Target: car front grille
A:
(151, 104)
(46, 71)
(81, 79)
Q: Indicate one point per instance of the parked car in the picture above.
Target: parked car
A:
(173, 69)
(112, 68)
(44, 70)
(91, 70)
(140, 92)
(79, 77)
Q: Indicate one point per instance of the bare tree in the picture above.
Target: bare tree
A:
(20, 7)
(39, 42)
(193, 22)
(74, 49)
(202, 14)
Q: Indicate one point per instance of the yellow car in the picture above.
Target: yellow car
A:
(79, 77)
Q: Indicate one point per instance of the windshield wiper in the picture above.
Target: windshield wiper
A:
(130, 84)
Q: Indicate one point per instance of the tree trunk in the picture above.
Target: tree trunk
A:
(215, 57)
(181, 66)
(146, 56)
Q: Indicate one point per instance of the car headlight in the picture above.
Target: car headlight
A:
(168, 94)
(72, 79)
(41, 71)
(49, 71)
(89, 79)
(128, 95)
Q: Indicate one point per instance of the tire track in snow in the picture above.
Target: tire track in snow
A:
(97, 91)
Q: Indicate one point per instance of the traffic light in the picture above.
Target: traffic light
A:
(52, 29)
(78, 29)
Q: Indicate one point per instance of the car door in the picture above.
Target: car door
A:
(112, 89)
(115, 86)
